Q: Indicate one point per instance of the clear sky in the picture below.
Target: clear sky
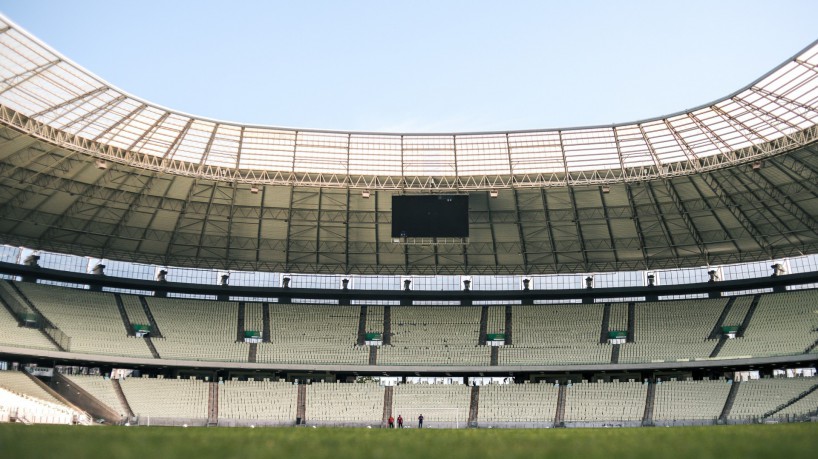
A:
(424, 66)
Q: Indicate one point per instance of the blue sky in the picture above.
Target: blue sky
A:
(445, 66)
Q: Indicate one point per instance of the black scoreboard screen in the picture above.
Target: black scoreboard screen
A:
(430, 216)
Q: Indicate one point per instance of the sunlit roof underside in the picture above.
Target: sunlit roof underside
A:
(46, 95)
(88, 169)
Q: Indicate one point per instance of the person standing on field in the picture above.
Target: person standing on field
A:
(391, 422)
(420, 421)
(400, 422)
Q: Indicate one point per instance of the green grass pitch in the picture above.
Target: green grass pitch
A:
(768, 441)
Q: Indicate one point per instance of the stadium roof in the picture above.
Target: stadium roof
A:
(89, 169)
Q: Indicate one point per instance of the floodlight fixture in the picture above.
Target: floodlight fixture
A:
(31, 260)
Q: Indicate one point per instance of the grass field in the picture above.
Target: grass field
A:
(769, 441)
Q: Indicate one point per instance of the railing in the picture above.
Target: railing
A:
(588, 295)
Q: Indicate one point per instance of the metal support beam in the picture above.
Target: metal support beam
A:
(548, 226)
(578, 226)
(639, 233)
(728, 203)
(660, 216)
(691, 227)
(520, 234)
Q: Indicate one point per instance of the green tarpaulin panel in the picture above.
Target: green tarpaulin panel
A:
(617, 334)
(729, 328)
(141, 327)
(496, 337)
(251, 334)
(373, 336)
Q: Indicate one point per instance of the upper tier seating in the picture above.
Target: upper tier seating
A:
(374, 319)
(310, 333)
(783, 324)
(556, 334)
(90, 319)
(438, 335)
(253, 317)
(11, 334)
(673, 330)
(496, 320)
(197, 330)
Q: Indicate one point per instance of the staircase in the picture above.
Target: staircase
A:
(149, 342)
(650, 400)
(559, 416)
(615, 353)
(606, 324)
(252, 353)
(46, 324)
(495, 356)
(20, 321)
(302, 404)
(509, 328)
(387, 325)
(811, 347)
(728, 404)
(719, 345)
(631, 323)
(265, 320)
(749, 316)
(474, 406)
(484, 319)
(388, 394)
(121, 396)
(125, 320)
(155, 332)
(794, 399)
(240, 323)
(373, 355)
(362, 327)
(716, 332)
(213, 405)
